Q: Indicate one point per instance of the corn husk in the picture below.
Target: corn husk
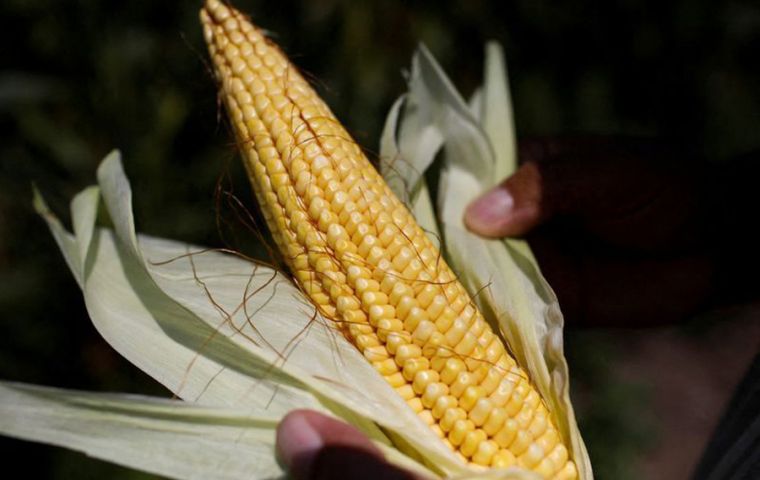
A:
(241, 346)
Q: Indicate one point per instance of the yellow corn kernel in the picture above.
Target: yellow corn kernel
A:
(503, 459)
(567, 472)
(485, 452)
(459, 432)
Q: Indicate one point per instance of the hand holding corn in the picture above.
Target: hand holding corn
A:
(629, 232)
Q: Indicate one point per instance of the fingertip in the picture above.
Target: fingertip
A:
(306, 438)
(495, 216)
(510, 209)
(489, 214)
(297, 442)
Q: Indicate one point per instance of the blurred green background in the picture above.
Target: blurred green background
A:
(78, 78)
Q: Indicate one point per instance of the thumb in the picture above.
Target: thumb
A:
(510, 209)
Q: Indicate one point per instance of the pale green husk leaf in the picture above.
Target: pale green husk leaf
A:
(223, 331)
(478, 150)
(171, 438)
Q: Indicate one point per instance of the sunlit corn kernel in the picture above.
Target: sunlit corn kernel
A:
(503, 459)
(426, 417)
(413, 269)
(545, 468)
(442, 404)
(436, 306)
(459, 431)
(475, 363)
(394, 340)
(379, 357)
(453, 367)
(404, 306)
(506, 435)
(450, 417)
(457, 331)
(416, 404)
(375, 256)
(373, 298)
(434, 343)
(364, 331)
(365, 341)
(387, 327)
(400, 291)
(402, 258)
(437, 363)
(491, 380)
(480, 412)
(568, 472)
(445, 320)
(471, 441)
(532, 455)
(521, 442)
(532, 399)
(426, 296)
(494, 422)
(464, 380)
(460, 304)
(466, 345)
(539, 424)
(354, 317)
(548, 440)
(405, 391)
(415, 316)
(406, 352)
(396, 380)
(515, 403)
(355, 272)
(383, 312)
(422, 333)
(385, 367)
(524, 416)
(485, 452)
(558, 455)
(471, 395)
(422, 379)
(414, 365)
(434, 391)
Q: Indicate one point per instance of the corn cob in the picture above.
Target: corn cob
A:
(356, 251)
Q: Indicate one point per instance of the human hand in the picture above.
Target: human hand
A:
(627, 233)
(314, 446)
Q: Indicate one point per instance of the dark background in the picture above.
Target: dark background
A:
(78, 78)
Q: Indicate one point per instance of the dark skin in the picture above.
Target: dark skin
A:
(628, 233)
(621, 228)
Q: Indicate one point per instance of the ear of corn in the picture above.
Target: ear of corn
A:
(355, 250)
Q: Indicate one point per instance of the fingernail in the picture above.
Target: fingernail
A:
(297, 444)
(488, 212)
